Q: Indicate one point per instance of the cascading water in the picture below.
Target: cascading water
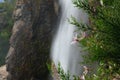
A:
(62, 51)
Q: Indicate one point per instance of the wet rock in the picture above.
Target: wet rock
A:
(30, 41)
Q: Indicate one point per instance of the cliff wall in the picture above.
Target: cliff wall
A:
(30, 41)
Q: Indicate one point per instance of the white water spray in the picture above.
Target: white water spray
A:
(62, 51)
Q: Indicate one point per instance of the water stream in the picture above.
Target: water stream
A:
(62, 51)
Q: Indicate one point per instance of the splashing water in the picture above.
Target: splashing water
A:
(62, 51)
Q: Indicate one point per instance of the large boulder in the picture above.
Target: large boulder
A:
(30, 41)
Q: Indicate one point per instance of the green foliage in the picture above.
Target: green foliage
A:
(106, 71)
(103, 42)
(82, 4)
(65, 76)
(1, 5)
(7, 14)
(5, 31)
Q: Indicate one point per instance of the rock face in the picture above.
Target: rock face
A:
(3, 73)
(30, 40)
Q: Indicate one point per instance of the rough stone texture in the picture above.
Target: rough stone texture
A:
(30, 40)
(3, 73)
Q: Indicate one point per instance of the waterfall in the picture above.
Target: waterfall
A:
(62, 51)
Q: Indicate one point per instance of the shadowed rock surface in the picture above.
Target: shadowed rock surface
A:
(30, 40)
